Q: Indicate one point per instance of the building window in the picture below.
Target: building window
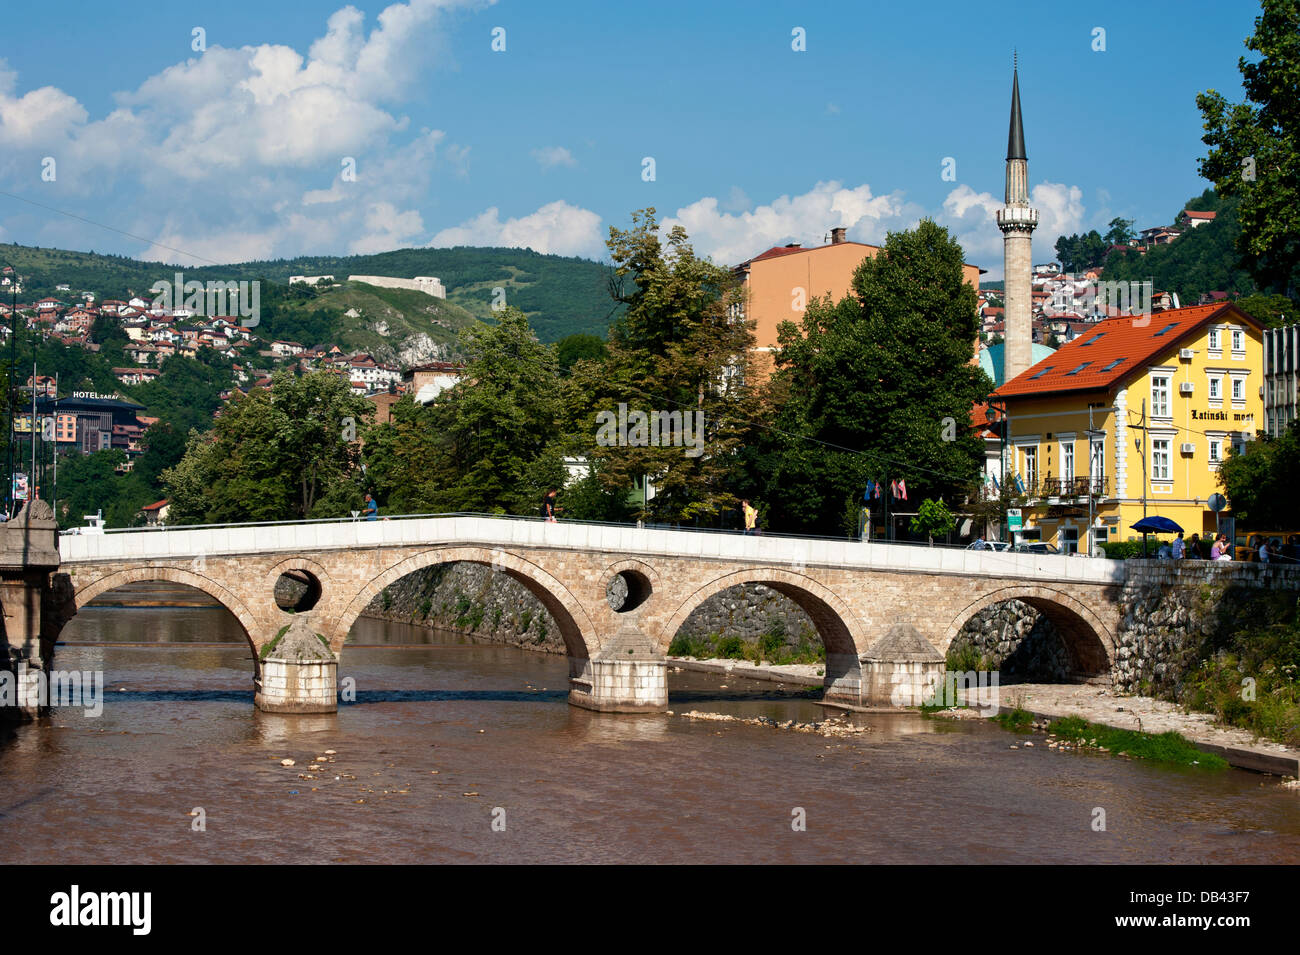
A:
(1215, 450)
(1069, 539)
(1029, 453)
(1214, 339)
(1160, 459)
(1067, 460)
(1160, 396)
(1238, 340)
(1238, 389)
(1097, 464)
(1215, 385)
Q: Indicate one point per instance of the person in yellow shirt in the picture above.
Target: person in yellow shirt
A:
(751, 517)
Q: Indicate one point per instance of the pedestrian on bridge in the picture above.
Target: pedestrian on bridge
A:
(751, 516)
(372, 508)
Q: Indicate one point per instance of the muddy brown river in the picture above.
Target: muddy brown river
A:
(462, 752)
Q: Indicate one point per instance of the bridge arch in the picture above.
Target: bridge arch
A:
(575, 625)
(836, 624)
(85, 593)
(1089, 643)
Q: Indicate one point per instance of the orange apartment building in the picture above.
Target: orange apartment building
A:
(779, 283)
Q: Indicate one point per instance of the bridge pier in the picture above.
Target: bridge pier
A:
(899, 669)
(628, 675)
(298, 673)
(30, 593)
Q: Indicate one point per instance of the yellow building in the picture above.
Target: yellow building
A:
(1132, 419)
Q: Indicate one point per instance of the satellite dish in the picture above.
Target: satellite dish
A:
(1217, 502)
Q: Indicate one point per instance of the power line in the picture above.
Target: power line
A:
(100, 225)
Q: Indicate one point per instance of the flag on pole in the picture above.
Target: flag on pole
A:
(902, 489)
(1020, 485)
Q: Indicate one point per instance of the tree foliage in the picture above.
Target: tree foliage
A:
(1260, 484)
(680, 353)
(288, 452)
(1254, 150)
(874, 386)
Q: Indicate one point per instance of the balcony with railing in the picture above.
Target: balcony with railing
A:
(1084, 486)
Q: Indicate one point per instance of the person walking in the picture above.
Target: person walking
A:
(549, 508)
(372, 508)
(751, 516)
(1180, 547)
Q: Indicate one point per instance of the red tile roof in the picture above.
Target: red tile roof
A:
(1110, 350)
(1193, 214)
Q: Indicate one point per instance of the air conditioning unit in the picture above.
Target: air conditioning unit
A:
(1188, 447)
(1186, 388)
(1186, 354)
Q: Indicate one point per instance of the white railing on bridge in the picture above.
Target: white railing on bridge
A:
(619, 540)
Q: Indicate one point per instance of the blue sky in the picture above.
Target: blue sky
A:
(237, 151)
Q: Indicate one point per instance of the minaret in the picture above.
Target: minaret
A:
(1017, 222)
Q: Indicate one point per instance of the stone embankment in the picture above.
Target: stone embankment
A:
(473, 599)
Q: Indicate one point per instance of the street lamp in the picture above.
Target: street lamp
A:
(13, 370)
(991, 415)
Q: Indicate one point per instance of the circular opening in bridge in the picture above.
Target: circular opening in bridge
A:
(627, 590)
(297, 591)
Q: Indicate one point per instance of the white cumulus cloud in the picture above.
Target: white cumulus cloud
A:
(557, 228)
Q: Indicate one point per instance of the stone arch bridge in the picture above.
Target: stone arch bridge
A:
(886, 612)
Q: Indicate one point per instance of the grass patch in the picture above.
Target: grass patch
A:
(1171, 748)
(1018, 720)
(273, 642)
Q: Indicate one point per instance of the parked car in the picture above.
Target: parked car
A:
(1036, 547)
(990, 545)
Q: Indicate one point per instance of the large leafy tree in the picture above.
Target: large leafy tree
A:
(879, 385)
(281, 453)
(1255, 148)
(681, 348)
(496, 430)
(1260, 484)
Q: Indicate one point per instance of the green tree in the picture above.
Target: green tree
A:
(497, 449)
(579, 347)
(1260, 484)
(1255, 148)
(275, 454)
(680, 356)
(1121, 231)
(932, 517)
(879, 385)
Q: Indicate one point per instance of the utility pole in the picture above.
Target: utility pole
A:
(1143, 429)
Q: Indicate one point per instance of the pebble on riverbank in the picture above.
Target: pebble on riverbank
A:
(825, 728)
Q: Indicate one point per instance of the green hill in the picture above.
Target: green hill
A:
(1200, 260)
(561, 295)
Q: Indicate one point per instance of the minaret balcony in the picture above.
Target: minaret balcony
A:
(1017, 217)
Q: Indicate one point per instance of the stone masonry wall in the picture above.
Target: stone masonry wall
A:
(472, 599)
(1175, 611)
(1014, 639)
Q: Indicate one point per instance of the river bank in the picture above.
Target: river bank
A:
(1054, 701)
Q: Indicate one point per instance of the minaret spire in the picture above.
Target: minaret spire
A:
(1017, 220)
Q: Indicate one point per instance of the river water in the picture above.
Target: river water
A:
(448, 737)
